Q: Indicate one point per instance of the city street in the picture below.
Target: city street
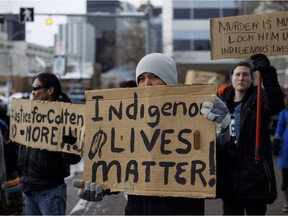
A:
(62, 69)
(115, 204)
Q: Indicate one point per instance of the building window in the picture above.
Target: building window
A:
(201, 45)
(230, 12)
(206, 13)
(191, 34)
(182, 45)
(182, 13)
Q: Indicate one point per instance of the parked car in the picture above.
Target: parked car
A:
(76, 95)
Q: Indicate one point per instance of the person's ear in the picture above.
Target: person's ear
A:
(50, 90)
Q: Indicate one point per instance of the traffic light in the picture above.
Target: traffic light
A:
(2, 20)
(49, 21)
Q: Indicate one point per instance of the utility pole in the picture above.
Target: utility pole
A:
(148, 30)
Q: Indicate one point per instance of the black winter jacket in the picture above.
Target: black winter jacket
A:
(152, 205)
(41, 169)
(237, 168)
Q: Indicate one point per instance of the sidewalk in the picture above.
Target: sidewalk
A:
(214, 206)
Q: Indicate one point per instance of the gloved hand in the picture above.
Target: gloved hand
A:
(260, 63)
(69, 139)
(91, 191)
(218, 112)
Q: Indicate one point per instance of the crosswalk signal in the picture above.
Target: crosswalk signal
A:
(26, 15)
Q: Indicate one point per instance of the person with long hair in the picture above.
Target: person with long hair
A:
(42, 172)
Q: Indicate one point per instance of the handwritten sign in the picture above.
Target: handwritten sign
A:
(42, 124)
(151, 141)
(243, 36)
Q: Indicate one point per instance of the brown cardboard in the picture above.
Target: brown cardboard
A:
(195, 76)
(243, 36)
(134, 131)
(42, 124)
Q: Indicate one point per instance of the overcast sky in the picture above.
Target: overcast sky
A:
(38, 32)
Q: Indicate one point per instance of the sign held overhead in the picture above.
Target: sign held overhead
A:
(243, 36)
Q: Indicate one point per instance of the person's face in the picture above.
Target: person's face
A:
(241, 78)
(149, 79)
(40, 93)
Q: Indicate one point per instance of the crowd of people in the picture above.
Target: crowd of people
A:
(245, 184)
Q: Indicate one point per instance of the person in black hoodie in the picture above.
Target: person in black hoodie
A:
(246, 183)
(42, 172)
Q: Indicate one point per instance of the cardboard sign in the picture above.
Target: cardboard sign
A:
(42, 124)
(151, 141)
(243, 36)
(194, 76)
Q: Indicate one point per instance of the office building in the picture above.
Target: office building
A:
(186, 33)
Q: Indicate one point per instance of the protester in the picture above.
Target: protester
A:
(281, 143)
(153, 70)
(245, 184)
(11, 197)
(42, 172)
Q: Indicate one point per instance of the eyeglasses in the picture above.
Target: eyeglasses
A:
(36, 87)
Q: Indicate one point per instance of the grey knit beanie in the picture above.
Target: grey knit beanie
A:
(159, 64)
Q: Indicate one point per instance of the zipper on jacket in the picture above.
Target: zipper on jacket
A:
(268, 173)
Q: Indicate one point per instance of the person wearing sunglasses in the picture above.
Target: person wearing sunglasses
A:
(46, 86)
(42, 172)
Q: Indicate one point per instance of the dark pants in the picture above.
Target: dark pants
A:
(284, 185)
(152, 205)
(245, 206)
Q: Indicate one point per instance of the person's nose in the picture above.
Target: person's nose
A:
(147, 82)
(241, 77)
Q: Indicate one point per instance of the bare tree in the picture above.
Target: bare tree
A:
(131, 44)
(249, 7)
(275, 5)
(107, 54)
